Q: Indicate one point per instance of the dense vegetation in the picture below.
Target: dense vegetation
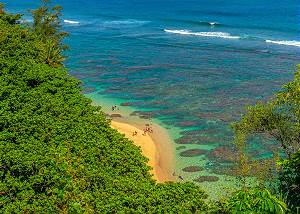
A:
(58, 153)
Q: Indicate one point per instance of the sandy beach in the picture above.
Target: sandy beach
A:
(155, 146)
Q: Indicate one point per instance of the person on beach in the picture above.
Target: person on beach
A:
(150, 130)
(114, 108)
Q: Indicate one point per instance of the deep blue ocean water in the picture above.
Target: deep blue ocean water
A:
(191, 64)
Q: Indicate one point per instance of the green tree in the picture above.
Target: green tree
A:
(254, 200)
(290, 180)
(47, 25)
(280, 119)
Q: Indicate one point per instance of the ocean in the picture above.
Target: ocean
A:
(193, 66)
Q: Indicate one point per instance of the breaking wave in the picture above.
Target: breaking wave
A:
(203, 34)
(71, 22)
(283, 42)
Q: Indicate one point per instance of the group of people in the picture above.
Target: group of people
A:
(147, 129)
(114, 108)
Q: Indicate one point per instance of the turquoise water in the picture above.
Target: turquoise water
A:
(193, 65)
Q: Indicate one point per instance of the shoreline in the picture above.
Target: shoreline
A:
(165, 147)
(155, 146)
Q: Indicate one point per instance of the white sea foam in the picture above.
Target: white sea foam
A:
(71, 22)
(290, 43)
(124, 23)
(204, 34)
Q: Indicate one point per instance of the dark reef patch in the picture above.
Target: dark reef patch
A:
(223, 154)
(180, 147)
(200, 140)
(192, 169)
(88, 90)
(193, 152)
(126, 104)
(184, 140)
(186, 123)
(207, 178)
(205, 115)
(115, 115)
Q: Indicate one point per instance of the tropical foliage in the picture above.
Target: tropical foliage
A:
(290, 180)
(47, 24)
(255, 200)
(279, 118)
